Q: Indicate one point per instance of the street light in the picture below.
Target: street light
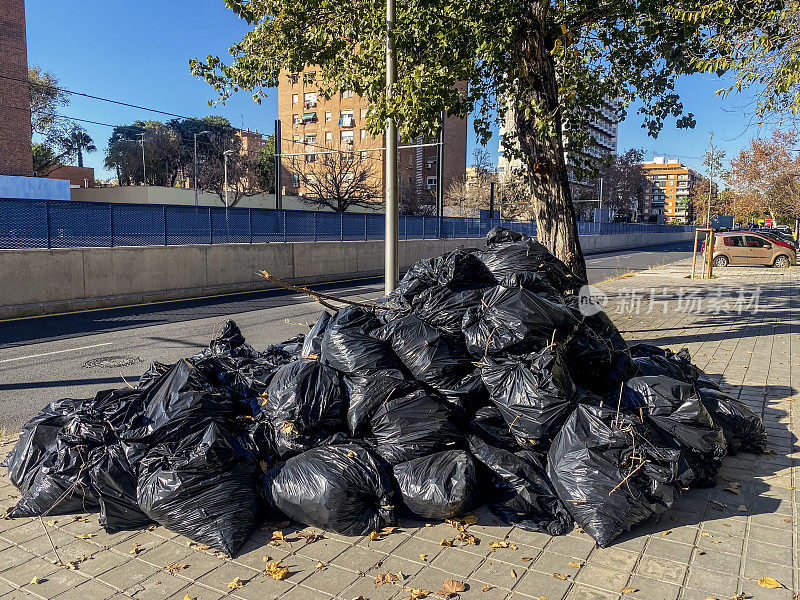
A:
(226, 154)
(195, 164)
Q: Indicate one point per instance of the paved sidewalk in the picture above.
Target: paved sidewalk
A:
(711, 544)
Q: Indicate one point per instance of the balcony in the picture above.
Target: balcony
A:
(309, 117)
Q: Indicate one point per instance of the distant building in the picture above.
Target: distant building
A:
(311, 122)
(79, 177)
(603, 129)
(671, 183)
(15, 110)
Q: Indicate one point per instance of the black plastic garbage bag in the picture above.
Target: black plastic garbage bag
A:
(182, 401)
(312, 344)
(612, 472)
(534, 394)
(230, 343)
(367, 390)
(521, 492)
(664, 361)
(343, 488)
(502, 235)
(439, 486)
(675, 410)
(200, 487)
(435, 358)
(533, 282)
(405, 428)
(114, 481)
(348, 346)
(505, 259)
(444, 308)
(304, 405)
(517, 321)
(155, 371)
(744, 430)
(489, 425)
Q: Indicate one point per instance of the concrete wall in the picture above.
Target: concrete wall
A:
(152, 194)
(50, 281)
(34, 188)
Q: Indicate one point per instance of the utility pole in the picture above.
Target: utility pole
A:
(195, 165)
(144, 165)
(391, 242)
(440, 172)
(278, 182)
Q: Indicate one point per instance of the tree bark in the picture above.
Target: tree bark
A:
(543, 155)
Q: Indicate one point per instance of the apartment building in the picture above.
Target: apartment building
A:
(603, 128)
(671, 183)
(312, 122)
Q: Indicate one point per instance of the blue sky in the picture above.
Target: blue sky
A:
(138, 52)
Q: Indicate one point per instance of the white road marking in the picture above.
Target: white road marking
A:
(54, 352)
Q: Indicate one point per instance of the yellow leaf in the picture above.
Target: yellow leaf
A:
(513, 573)
(385, 578)
(572, 563)
(136, 549)
(276, 570)
(35, 581)
(374, 536)
(173, 568)
(527, 558)
(235, 584)
(417, 593)
(486, 588)
(85, 536)
(628, 590)
(277, 536)
(52, 522)
(423, 557)
(496, 545)
(445, 543)
(289, 428)
(351, 454)
(188, 597)
(770, 583)
(320, 566)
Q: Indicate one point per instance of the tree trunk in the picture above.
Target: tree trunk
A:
(543, 154)
(80, 157)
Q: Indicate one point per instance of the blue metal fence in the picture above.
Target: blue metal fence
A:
(60, 224)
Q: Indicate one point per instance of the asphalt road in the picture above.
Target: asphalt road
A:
(75, 355)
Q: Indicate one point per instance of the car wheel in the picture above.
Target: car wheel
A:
(721, 261)
(781, 262)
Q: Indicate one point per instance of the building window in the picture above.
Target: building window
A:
(347, 94)
(295, 179)
(310, 117)
(430, 163)
(364, 112)
(295, 98)
(363, 134)
(310, 77)
(310, 99)
(364, 155)
(431, 182)
(347, 138)
(296, 139)
(346, 119)
(327, 116)
(311, 138)
(328, 136)
(296, 119)
(293, 77)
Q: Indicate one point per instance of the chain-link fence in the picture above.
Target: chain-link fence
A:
(59, 224)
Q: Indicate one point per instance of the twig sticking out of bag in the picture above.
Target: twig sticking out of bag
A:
(321, 297)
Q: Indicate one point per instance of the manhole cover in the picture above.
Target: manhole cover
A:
(112, 362)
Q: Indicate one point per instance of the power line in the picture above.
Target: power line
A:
(93, 97)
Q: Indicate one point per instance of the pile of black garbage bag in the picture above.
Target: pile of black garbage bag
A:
(481, 380)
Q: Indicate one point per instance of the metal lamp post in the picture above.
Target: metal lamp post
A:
(391, 241)
(195, 164)
(225, 155)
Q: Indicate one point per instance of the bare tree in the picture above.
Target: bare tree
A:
(338, 180)
(623, 181)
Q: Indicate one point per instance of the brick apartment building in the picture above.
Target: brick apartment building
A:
(309, 121)
(671, 183)
(15, 114)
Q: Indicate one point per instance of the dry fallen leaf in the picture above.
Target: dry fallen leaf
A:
(374, 536)
(468, 538)
(389, 530)
(351, 454)
(572, 563)
(276, 570)
(667, 532)
(496, 545)
(486, 588)
(235, 584)
(152, 527)
(770, 583)
(417, 594)
(137, 549)
(188, 597)
(173, 568)
(513, 573)
(310, 538)
(423, 557)
(445, 543)
(787, 520)
(52, 522)
(84, 536)
(470, 519)
(527, 558)
(560, 576)
(451, 587)
(277, 536)
(628, 590)
(289, 428)
(35, 581)
(385, 578)
(705, 534)
(320, 566)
